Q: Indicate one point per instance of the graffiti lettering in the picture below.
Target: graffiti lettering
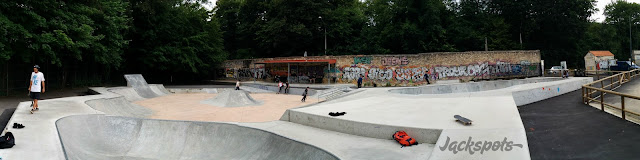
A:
(462, 71)
(352, 73)
(380, 74)
(394, 61)
(411, 74)
(362, 60)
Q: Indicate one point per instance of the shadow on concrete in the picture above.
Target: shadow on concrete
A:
(564, 128)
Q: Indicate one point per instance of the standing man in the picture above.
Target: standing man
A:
(304, 94)
(360, 81)
(36, 86)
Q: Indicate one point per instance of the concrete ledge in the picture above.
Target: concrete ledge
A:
(527, 94)
(380, 131)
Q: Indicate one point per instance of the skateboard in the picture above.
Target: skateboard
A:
(462, 120)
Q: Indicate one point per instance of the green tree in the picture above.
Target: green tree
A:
(408, 26)
(623, 17)
(174, 36)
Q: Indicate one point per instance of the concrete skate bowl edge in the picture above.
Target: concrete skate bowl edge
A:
(232, 98)
(470, 87)
(101, 137)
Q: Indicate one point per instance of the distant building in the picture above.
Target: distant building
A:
(598, 60)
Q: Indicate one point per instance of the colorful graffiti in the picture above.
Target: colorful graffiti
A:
(394, 61)
(385, 74)
(362, 60)
(259, 73)
(500, 68)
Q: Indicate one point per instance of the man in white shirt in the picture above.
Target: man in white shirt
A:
(238, 85)
(36, 86)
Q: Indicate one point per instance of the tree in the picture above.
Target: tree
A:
(623, 17)
(174, 36)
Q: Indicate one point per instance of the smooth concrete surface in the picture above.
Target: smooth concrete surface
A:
(378, 117)
(373, 114)
(139, 84)
(470, 86)
(232, 98)
(481, 144)
(39, 139)
(158, 89)
(187, 106)
(524, 91)
(346, 146)
(109, 137)
(216, 90)
(119, 106)
(295, 91)
(127, 92)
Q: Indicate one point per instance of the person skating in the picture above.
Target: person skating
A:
(304, 94)
(238, 85)
(286, 89)
(426, 77)
(36, 86)
(279, 87)
(360, 81)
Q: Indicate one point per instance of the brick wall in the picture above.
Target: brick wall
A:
(409, 69)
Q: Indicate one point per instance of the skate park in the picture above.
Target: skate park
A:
(115, 123)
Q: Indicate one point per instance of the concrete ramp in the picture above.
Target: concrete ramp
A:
(127, 92)
(139, 84)
(232, 98)
(100, 137)
(119, 106)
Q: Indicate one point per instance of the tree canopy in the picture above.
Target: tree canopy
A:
(178, 37)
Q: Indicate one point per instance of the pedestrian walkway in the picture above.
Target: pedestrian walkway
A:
(565, 128)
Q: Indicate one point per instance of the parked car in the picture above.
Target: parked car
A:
(622, 66)
(634, 66)
(555, 69)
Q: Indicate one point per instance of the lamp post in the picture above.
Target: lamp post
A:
(325, 35)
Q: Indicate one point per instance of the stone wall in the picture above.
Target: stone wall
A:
(408, 69)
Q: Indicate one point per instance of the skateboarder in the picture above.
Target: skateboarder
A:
(304, 94)
(426, 77)
(279, 87)
(360, 81)
(238, 85)
(286, 89)
(36, 85)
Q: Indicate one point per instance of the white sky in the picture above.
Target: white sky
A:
(597, 16)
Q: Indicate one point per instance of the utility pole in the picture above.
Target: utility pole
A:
(630, 41)
(486, 47)
(324, 26)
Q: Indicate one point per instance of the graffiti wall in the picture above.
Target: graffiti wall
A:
(385, 74)
(394, 70)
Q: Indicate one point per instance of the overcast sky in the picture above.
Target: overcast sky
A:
(598, 16)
